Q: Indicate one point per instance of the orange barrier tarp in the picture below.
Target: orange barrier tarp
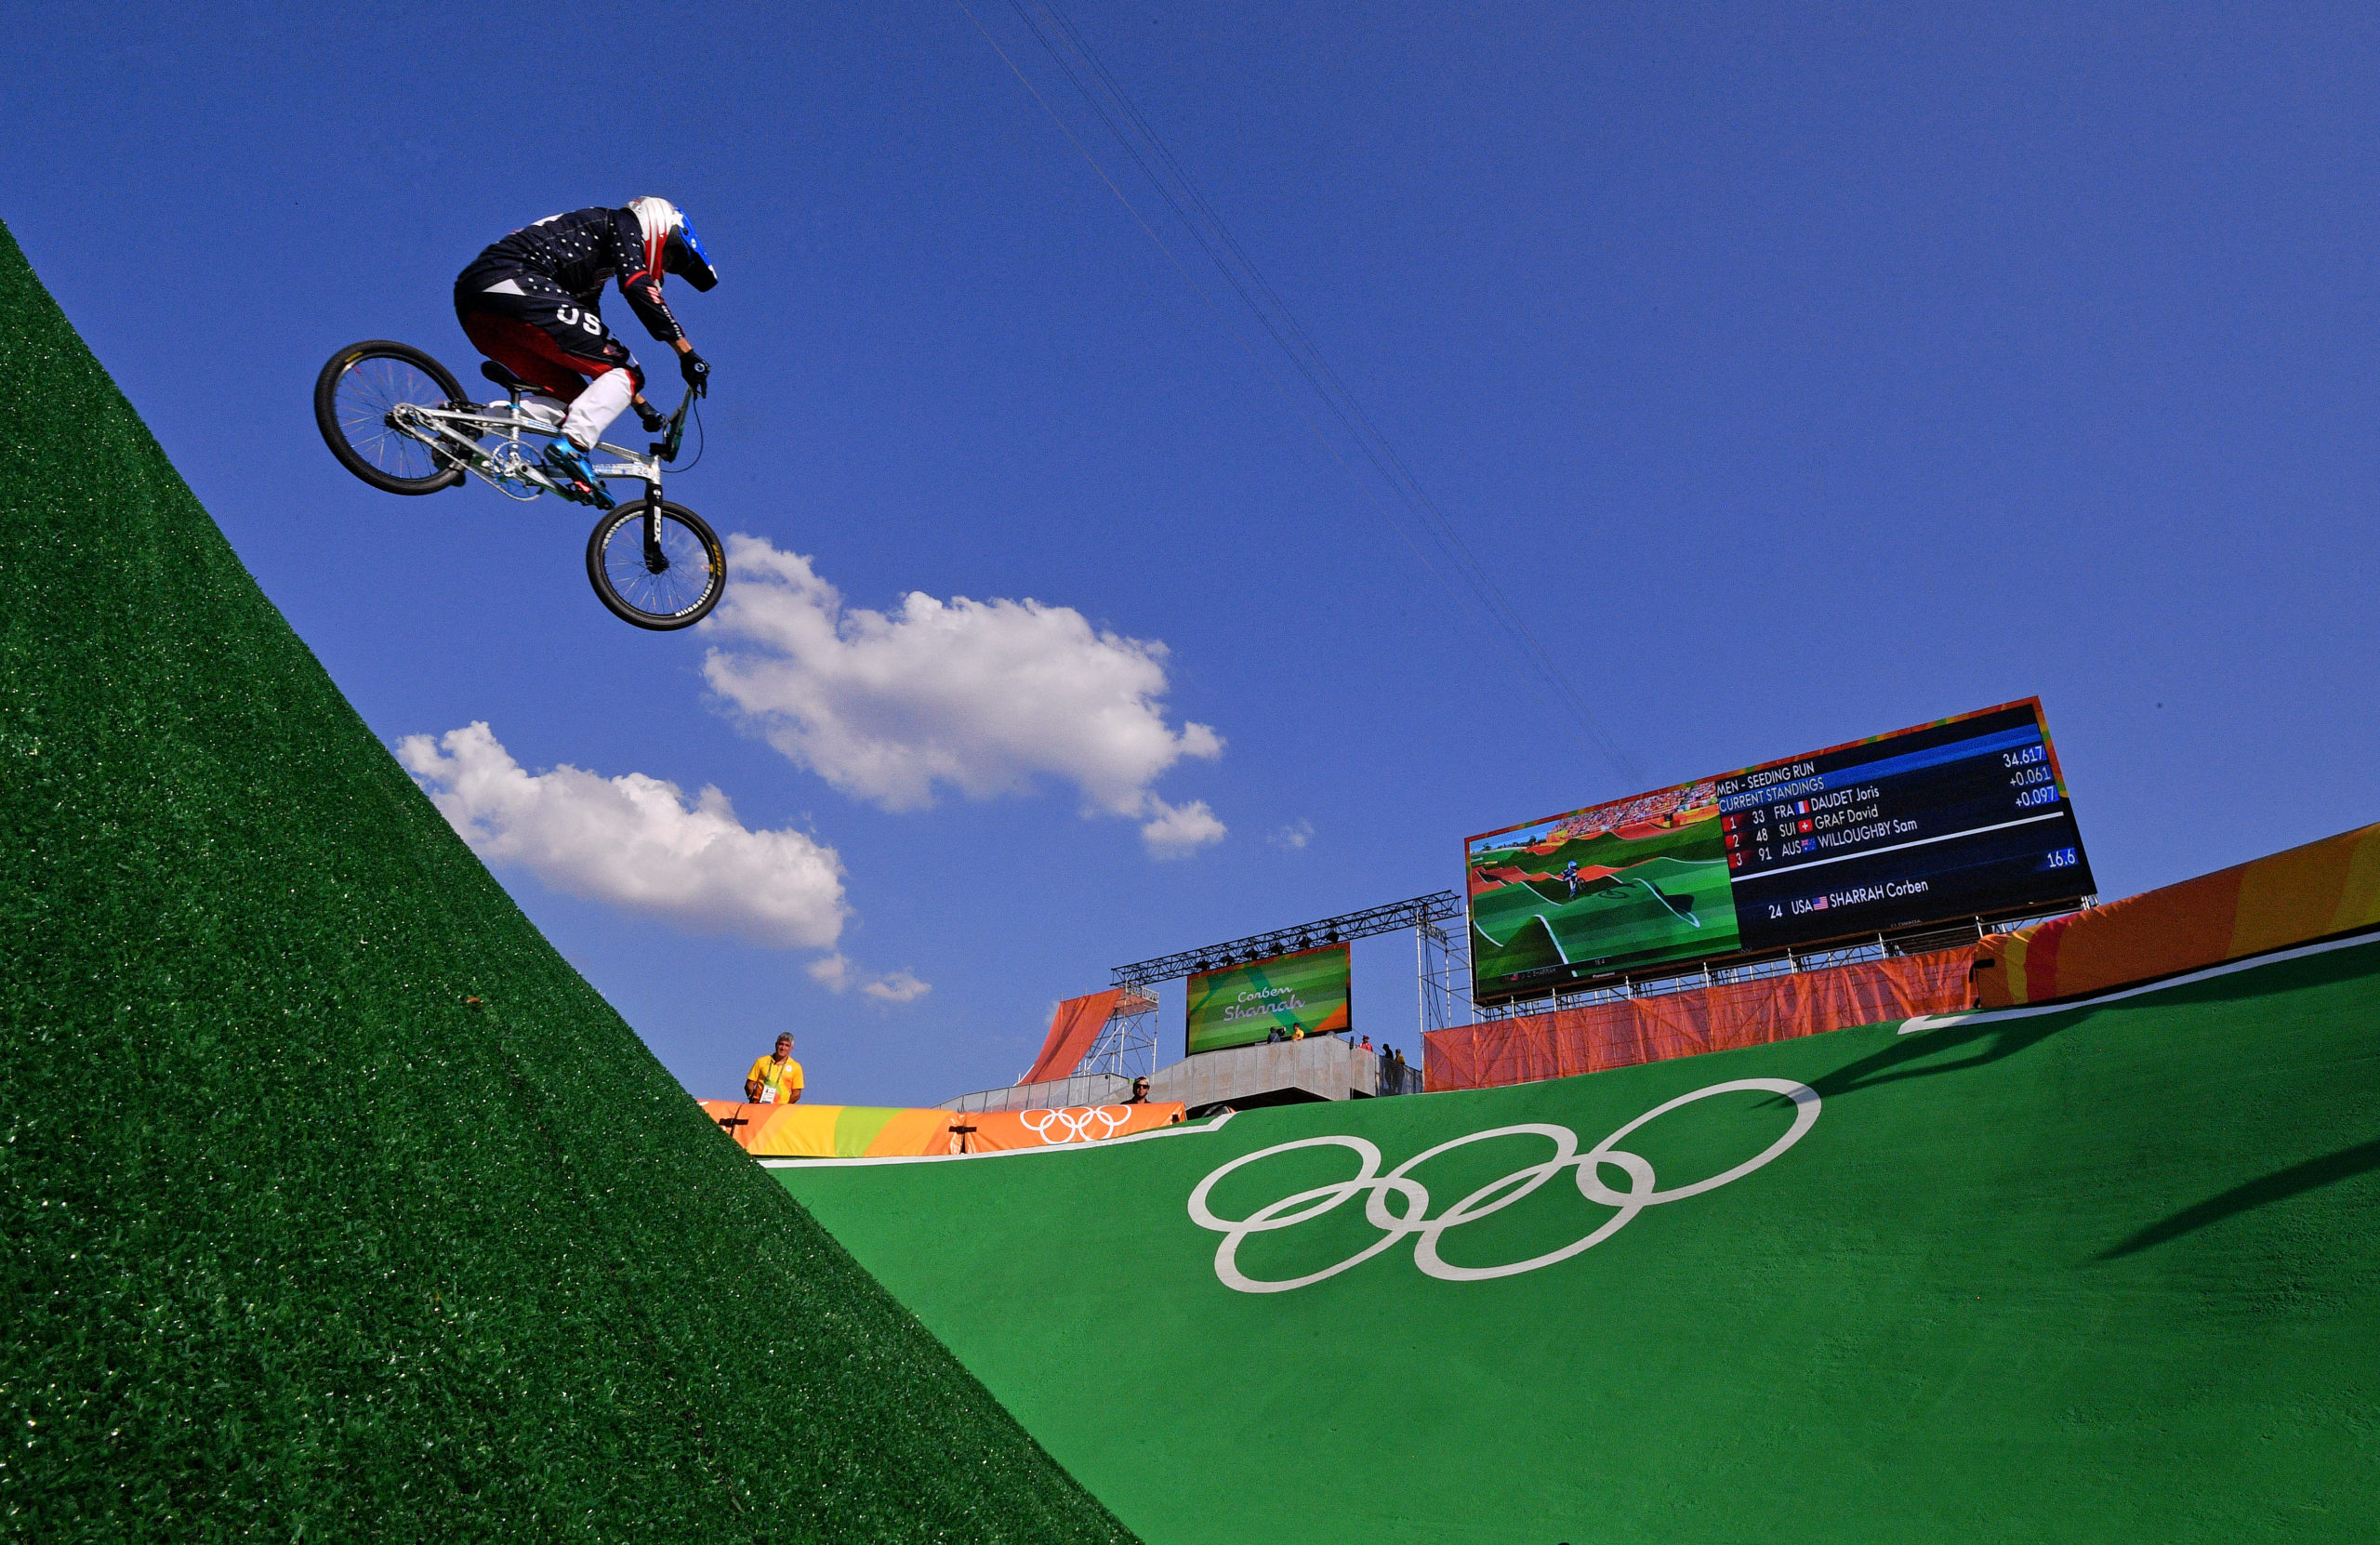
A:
(2289, 898)
(1073, 1029)
(882, 1131)
(1569, 1041)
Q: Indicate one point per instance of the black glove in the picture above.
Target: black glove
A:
(654, 419)
(696, 370)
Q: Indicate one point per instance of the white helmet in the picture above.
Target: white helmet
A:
(670, 244)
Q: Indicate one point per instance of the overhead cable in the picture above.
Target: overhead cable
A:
(1440, 550)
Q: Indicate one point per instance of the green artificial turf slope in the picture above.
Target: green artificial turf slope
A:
(2108, 1274)
(295, 1244)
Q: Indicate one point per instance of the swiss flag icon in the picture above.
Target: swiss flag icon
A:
(1803, 826)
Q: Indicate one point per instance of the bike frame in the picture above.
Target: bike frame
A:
(512, 471)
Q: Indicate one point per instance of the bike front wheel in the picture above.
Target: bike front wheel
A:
(356, 400)
(663, 579)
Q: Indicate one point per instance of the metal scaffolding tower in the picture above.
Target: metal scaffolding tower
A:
(1127, 1043)
(1442, 962)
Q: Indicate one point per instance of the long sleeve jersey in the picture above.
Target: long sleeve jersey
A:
(579, 251)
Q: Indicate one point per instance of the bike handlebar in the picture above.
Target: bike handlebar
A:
(667, 447)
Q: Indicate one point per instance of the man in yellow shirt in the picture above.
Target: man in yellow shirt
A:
(775, 1080)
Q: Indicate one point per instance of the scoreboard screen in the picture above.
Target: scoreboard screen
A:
(1962, 818)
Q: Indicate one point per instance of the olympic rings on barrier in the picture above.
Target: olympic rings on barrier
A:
(1076, 1122)
(1411, 1219)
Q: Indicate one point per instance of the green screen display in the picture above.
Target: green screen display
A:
(1632, 883)
(1239, 1005)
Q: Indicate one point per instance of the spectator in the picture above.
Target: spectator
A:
(1140, 1092)
(1275, 1036)
(1368, 1043)
(775, 1080)
(1297, 1032)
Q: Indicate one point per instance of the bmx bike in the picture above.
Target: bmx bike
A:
(398, 420)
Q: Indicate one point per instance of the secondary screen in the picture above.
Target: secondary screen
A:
(1965, 817)
(1239, 1004)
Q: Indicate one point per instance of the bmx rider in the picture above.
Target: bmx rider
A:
(532, 303)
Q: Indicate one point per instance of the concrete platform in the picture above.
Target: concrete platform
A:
(1280, 1072)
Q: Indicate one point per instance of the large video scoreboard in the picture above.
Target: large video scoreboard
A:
(1962, 818)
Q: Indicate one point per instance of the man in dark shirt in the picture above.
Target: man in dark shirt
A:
(533, 301)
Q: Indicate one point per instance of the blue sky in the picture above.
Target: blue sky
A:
(1799, 373)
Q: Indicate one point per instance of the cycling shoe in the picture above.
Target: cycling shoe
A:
(574, 475)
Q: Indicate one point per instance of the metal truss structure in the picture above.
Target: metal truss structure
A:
(1442, 962)
(1419, 912)
(1127, 1043)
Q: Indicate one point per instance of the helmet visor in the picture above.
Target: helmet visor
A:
(685, 258)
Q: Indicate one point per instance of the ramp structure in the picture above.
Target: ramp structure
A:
(2106, 1271)
(333, 1203)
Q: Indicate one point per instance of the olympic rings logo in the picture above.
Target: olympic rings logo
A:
(1426, 1232)
(1077, 1123)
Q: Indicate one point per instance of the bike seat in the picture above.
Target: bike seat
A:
(504, 378)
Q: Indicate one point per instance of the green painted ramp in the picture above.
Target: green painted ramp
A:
(333, 1205)
(2109, 1272)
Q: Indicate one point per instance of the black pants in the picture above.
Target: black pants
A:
(532, 327)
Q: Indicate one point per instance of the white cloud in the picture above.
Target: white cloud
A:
(633, 841)
(1290, 838)
(1177, 831)
(834, 972)
(985, 696)
(899, 987)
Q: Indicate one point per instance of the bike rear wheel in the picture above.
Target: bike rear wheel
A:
(665, 586)
(356, 395)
